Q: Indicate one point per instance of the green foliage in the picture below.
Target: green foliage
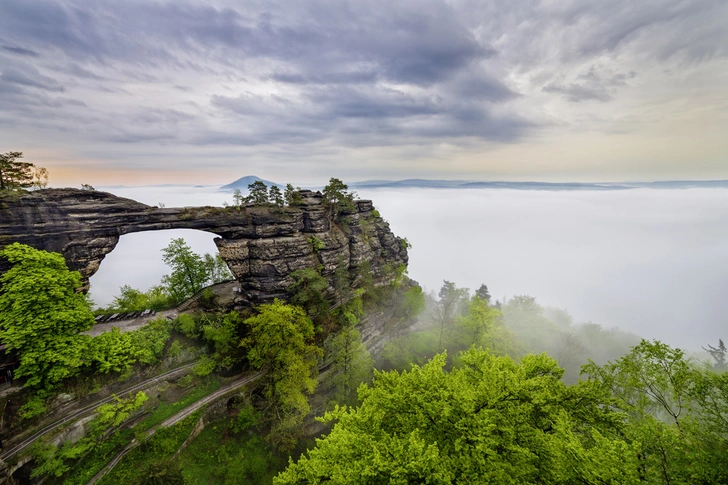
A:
(42, 315)
(149, 341)
(112, 351)
(48, 462)
(483, 293)
(309, 291)
(92, 462)
(468, 322)
(276, 196)
(351, 363)
(413, 303)
(247, 418)
(217, 269)
(338, 198)
(257, 193)
(187, 325)
(226, 454)
(132, 300)
(480, 320)
(292, 196)
(189, 274)
(316, 244)
(719, 355)
(16, 175)
(221, 330)
(164, 410)
(404, 243)
(175, 349)
(152, 461)
(55, 461)
(489, 421)
(677, 413)
(205, 366)
(34, 406)
(238, 198)
(113, 414)
(280, 344)
(448, 308)
(166, 472)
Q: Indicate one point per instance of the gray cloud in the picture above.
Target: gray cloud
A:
(348, 74)
(19, 51)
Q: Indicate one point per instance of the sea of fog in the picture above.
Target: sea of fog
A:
(654, 262)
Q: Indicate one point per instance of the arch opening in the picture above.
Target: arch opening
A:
(137, 261)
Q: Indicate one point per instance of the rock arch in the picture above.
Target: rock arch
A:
(261, 245)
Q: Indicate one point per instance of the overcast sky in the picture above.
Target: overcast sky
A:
(140, 92)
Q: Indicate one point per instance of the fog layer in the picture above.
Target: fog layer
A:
(654, 262)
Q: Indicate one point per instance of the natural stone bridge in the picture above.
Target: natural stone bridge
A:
(261, 245)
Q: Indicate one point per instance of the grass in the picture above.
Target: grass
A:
(219, 455)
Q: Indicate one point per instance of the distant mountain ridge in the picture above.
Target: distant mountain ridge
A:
(243, 182)
(465, 184)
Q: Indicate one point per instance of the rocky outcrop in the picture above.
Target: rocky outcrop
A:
(261, 245)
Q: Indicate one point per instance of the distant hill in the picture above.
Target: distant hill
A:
(464, 184)
(243, 182)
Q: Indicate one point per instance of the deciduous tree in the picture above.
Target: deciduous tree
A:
(280, 343)
(42, 315)
(488, 421)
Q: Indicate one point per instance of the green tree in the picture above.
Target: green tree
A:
(112, 351)
(15, 174)
(718, 354)
(292, 196)
(221, 330)
(488, 421)
(133, 300)
(257, 193)
(238, 198)
(677, 413)
(351, 363)
(216, 267)
(482, 324)
(42, 316)
(280, 344)
(337, 197)
(189, 271)
(447, 308)
(483, 293)
(308, 291)
(276, 196)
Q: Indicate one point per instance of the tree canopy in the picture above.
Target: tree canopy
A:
(190, 271)
(337, 197)
(488, 421)
(42, 315)
(280, 343)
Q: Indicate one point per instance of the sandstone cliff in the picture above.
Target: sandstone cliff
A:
(261, 245)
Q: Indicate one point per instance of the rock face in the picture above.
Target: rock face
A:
(261, 245)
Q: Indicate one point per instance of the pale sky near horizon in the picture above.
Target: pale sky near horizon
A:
(193, 91)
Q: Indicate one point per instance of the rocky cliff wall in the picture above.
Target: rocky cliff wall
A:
(261, 245)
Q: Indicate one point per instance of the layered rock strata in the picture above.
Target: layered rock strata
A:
(261, 245)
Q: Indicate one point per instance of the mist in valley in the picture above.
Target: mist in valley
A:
(649, 262)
